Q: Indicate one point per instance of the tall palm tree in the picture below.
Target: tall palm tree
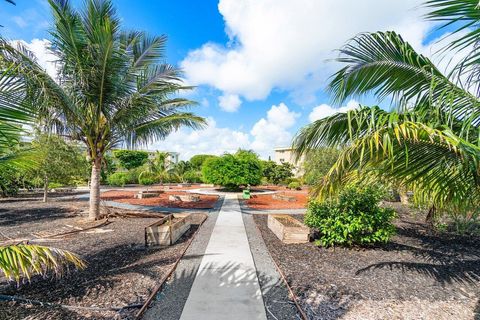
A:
(429, 142)
(113, 88)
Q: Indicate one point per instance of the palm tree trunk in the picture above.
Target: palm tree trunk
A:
(402, 192)
(94, 210)
(430, 218)
(45, 189)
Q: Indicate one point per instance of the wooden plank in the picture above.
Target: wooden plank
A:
(164, 232)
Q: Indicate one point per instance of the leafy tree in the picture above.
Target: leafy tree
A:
(57, 161)
(318, 163)
(159, 167)
(198, 160)
(114, 89)
(233, 170)
(131, 159)
(277, 173)
(430, 142)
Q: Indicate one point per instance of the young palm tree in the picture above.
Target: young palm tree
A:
(430, 141)
(113, 88)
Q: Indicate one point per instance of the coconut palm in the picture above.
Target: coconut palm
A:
(429, 142)
(112, 89)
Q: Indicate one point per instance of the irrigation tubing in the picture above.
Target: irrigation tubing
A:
(50, 304)
(160, 284)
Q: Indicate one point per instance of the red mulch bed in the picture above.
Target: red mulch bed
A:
(266, 202)
(206, 201)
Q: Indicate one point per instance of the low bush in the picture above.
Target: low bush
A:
(147, 178)
(355, 218)
(192, 176)
(294, 186)
(118, 179)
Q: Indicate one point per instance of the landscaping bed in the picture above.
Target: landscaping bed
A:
(206, 201)
(120, 271)
(268, 201)
(418, 275)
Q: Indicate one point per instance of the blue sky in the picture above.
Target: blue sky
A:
(261, 66)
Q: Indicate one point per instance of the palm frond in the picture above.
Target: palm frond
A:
(24, 260)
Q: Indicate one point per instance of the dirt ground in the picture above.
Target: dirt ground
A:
(418, 275)
(266, 201)
(120, 271)
(206, 201)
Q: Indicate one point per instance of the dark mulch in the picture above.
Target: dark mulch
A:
(119, 272)
(418, 275)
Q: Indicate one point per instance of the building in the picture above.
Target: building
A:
(287, 155)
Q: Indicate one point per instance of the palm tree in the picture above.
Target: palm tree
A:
(429, 142)
(113, 88)
(16, 110)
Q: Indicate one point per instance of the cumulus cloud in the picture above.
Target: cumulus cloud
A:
(267, 133)
(272, 131)
(45, 58)
(285, 44)
(325, 110)
(229, 102)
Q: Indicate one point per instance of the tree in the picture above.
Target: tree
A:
(131, 159)
(233, 170)
(198, 160)
(277, 173)
(57, 161)
(114, 88)
(430, 141)
(318, 163)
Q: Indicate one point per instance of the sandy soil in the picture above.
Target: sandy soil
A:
(266, 201)
(206, 201)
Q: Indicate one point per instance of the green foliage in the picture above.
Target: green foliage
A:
(198, 160)
(131, 159)
(147, 178)
(108, 167)
(275, 173)
(192, 176)
(58, 161)
(232, 171)
(294, 185)
(318, 163)
(10, 181)
(354, 219)
(122, 178)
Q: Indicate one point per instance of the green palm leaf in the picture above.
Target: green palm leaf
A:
(24, 260)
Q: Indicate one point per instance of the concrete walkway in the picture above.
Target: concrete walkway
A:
(226, 283)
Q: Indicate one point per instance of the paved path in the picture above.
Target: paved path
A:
(226, 284)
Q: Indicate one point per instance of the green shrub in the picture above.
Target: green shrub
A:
(118, 179)
(354, 219)
(192, 176)
(147, 178)
(131, 159)
(294, 186)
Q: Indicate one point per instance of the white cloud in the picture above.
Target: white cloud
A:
(272, 131)
(20, 21)
(211, 140)
(284, 44)
(325, 110)
(266, 134)
(229, 102)
(45, 58)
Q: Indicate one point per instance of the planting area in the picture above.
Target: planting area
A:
(269, 201)
(417, 275)
(119, 272)
(162, 200)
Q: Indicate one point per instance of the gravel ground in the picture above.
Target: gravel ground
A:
(170, 301)
(275, 293)
(418, 275)
(120, 270)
